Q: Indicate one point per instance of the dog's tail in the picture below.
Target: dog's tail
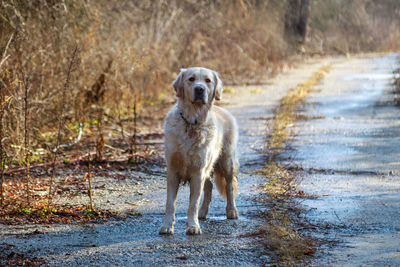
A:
(220, 181)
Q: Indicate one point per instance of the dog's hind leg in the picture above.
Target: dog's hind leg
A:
(225, 176)
(231, 210)
(203, 212)
(167, 227)
(231, 188)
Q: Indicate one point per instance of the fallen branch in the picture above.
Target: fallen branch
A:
(5, 56)
(47, 164)
(77, 140)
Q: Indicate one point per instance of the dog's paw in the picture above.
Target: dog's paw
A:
(193, 230)
(232, 213)
(164, 230)
(203, 214)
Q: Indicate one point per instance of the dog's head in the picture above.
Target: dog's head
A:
(198, 85)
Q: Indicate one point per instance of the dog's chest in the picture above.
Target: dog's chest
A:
(192, 140)
(195, 143)
(194, 133)
(195, 149)
(190, 148)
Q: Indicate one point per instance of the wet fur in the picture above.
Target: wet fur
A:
(199, 146)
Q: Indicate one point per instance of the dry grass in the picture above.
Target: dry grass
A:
(285, 115)
(354, 26)
(128, 54)
(282, 232)
(287, 245)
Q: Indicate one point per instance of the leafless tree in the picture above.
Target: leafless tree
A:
(296, 20)
(60, 117)
(26, 99)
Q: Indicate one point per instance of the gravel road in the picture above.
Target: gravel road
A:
(135, 240)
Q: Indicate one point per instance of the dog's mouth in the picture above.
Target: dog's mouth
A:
(199, 99)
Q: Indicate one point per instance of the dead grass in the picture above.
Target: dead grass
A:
(285, 115)
(286, 244)
(354, 26)
(128, 52)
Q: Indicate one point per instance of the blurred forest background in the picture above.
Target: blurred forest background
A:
(94, 70)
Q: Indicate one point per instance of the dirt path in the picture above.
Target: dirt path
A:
(350, 150)
(135, 240)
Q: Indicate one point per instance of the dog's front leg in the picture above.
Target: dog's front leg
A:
(167, 227)
(196, 187)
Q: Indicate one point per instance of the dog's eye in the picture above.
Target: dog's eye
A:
(208, 80)
(191, 79)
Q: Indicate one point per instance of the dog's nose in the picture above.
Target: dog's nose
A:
(199, 90)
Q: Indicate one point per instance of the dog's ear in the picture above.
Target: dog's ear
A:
(218, 86)
(178, 83)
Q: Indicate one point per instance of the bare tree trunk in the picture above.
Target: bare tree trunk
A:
(303, 20)
(291, 20)
(296, 21)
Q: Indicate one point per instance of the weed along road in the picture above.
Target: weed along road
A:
(349, 150)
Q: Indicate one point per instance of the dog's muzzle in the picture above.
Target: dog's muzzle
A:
(200, 94)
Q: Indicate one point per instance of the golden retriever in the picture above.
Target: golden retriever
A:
(200, 142)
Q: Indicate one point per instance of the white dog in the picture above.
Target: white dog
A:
(200, 141)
